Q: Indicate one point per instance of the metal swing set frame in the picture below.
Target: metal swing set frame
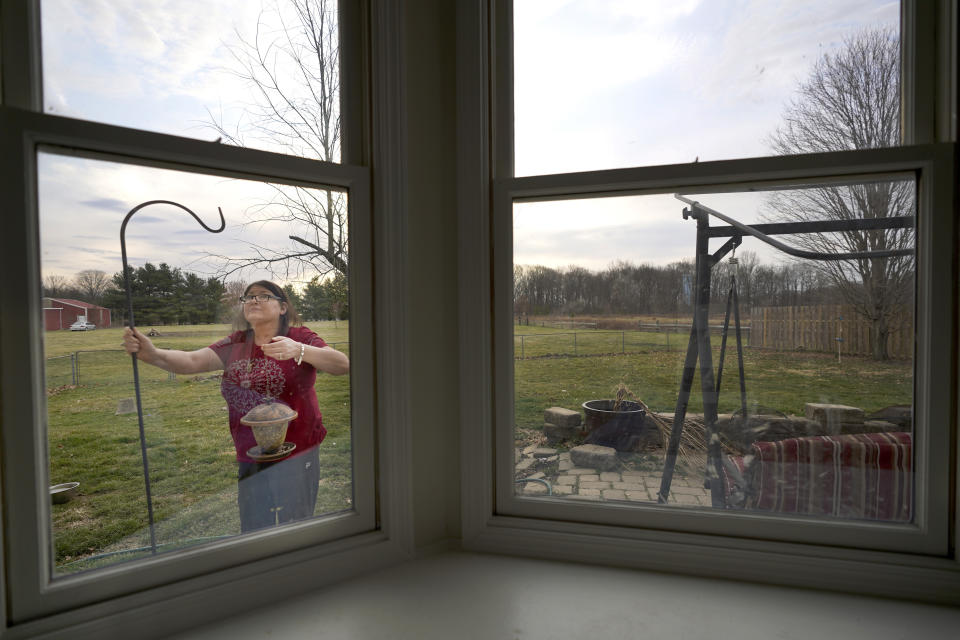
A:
(699, 346)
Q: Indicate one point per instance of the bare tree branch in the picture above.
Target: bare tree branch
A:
(293, 70)
(851, 100)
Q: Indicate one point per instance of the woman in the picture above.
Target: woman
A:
(275, 359)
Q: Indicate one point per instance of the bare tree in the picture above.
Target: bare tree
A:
(229, 309)
(292, 64)
(851, 100)
(92, 284)
(55, 286)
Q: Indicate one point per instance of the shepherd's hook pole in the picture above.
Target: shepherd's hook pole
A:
(133, 356)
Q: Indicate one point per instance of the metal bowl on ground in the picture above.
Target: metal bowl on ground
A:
(269, 423)
(60, 493)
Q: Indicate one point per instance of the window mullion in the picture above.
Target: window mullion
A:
(20, 55)
(917, 71)
(501, 90)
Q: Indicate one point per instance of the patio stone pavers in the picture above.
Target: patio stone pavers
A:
(583, 483)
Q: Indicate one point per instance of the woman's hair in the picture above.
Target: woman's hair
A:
(289, 319)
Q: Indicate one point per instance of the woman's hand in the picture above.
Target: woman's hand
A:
(136, 342)
(170, 360)
(324, 359)
(282, 348)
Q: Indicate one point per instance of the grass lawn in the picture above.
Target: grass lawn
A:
(776, 381)
(192, 462)
(190, 452)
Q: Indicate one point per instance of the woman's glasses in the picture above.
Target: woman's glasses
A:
(260, 297)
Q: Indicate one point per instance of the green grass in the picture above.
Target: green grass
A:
(192, 462)
(775, 381)
(533, 342)
(61, 343)
(97, 357)
(190, 452)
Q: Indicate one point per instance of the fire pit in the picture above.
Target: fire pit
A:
(621, 428)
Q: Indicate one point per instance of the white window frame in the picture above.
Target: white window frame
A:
(231, 575)
(884, 559)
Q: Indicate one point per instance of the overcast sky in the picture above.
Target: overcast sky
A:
(157, 65)
(599, 84)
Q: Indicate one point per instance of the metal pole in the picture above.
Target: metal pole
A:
(793, 251)
(743, 380)
(723, 339)
(707, 385)
(839, 338)
(683, 399)
(133, 356)
(73, 368)
(698, 347)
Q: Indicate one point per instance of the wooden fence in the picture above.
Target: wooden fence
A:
(816, 328)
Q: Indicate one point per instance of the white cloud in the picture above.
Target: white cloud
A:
(600, 84)
(83, 202)
(712, 86)
(606, 84)
(565, 52)
(155, 65)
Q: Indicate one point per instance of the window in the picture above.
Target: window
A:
(596, 296)
(186, 491)
(605, 85)
(257, 75)
(73, 180)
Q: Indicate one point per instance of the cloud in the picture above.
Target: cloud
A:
(610, 84)
(155, 65)
(104, 203)
(94, 195)
(599, 84)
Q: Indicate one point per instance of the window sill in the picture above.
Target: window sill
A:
(502, 597)
(900, 576)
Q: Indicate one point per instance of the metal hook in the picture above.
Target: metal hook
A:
(133, 356)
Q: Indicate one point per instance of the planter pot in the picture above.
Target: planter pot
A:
(625, 429)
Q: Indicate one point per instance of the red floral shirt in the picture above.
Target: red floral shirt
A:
(251, 378)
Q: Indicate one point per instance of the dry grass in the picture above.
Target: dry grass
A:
(693, 436)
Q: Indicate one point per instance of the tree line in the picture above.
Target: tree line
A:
(165, 295)
(322, 299)
(645, 289)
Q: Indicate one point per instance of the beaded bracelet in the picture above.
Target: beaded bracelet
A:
(300, 359)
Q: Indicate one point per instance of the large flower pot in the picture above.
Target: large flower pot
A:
(624, 429)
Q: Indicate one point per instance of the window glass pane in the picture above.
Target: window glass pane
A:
(611, 84)
(619, 338)
(185, 287)
(257, 74)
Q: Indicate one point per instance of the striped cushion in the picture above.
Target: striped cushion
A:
(862, 476)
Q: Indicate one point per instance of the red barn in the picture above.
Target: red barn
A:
(60, 313)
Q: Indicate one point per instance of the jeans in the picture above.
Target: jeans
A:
(274, 493)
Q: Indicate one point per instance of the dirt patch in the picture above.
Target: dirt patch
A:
(804, 373)
(52, 391)
(76, 516)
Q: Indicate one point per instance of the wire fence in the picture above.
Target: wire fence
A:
(111, 366)
(601, 343)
